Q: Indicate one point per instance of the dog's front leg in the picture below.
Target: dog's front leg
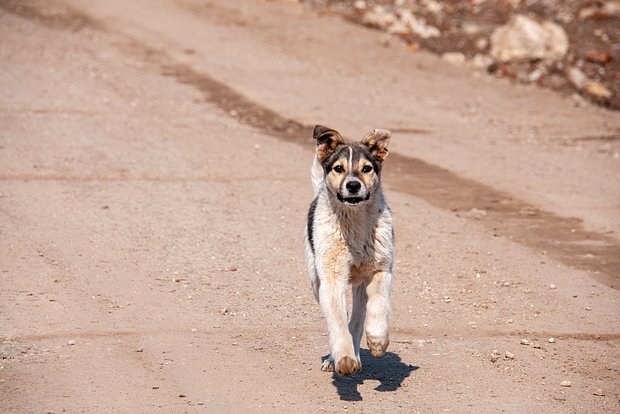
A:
(378, 312)
(333, 304)
(358, 315)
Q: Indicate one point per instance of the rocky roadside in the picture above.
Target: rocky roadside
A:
(570, 46)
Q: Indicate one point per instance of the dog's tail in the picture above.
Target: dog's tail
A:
(316, 174)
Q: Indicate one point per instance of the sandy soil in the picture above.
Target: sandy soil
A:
(154, 181)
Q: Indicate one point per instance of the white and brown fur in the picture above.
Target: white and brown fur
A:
(349, 242)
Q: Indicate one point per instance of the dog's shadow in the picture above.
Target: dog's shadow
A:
(389, 370)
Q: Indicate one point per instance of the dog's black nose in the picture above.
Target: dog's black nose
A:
(353, 186)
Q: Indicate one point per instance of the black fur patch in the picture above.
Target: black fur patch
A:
(310, 224)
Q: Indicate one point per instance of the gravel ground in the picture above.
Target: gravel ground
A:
(465, 28)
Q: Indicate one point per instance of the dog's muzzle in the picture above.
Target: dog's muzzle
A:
(353, 201)
(354, 193)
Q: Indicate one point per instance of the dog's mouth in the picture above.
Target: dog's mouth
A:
(353, 201)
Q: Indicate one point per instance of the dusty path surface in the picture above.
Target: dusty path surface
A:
(154, 181)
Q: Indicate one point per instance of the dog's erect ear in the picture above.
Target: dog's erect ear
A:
(377, 142)
(326, 141)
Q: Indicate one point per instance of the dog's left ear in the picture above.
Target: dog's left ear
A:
(327, 140)
(377, 142)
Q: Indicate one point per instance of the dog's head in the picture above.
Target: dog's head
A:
(352, 171)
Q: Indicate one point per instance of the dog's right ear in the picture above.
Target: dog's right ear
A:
(326, 141)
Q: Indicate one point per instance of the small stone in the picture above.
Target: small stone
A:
(495, 355)
(588, 308)
(482, 43)
(565, 384)
(577, 78)
(524, 39)
(182, 396)
(536, 345)
(509, 355)
(476, 214)
(597, 56)
(552, 286)
(378, 17)
(599, 392)
(481, 61)
(551, 340)
(524, 342)
(598, 90)
(360, 4)
(140, 350)
(454, 58)
(71, 342)
(231, 268)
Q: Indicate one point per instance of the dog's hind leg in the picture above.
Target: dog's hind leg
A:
(358, 314)
(378, 311)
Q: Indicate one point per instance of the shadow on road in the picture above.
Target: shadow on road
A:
(389, 370)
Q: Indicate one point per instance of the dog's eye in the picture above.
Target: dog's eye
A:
(366, 169)
(339, 169)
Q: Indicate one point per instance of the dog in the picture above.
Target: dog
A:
(349, 242)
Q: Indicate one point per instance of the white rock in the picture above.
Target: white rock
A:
(360, 4)
(476, 214)
(565, 384)
(577, 78)
(482, 43)
(433, 6)
(378, 17)
(418, 25)
(454, 58)
(481, 61)
(523, 38)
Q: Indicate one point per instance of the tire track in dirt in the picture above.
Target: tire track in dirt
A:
(562, 238)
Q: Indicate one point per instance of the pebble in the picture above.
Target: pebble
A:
(495, 355)
(577, 78)
(536, 345)
(565, 384)
(481, 61)
(509, 355)
(598, 90)
(552, 286)
(551, 340)
(454, 58)
(476, 214)
(140, 350)
(71, 342)
(597, 56)
(524, 342)
(523, 38)
(378, 17)
(599, 392)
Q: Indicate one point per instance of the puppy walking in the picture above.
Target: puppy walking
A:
(349, 242)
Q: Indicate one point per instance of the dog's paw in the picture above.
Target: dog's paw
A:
(377, 345)
(347, 366)
(328, 365)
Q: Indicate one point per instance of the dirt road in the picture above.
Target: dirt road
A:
(154, 181)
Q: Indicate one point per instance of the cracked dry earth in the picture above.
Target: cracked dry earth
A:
(154, 181)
